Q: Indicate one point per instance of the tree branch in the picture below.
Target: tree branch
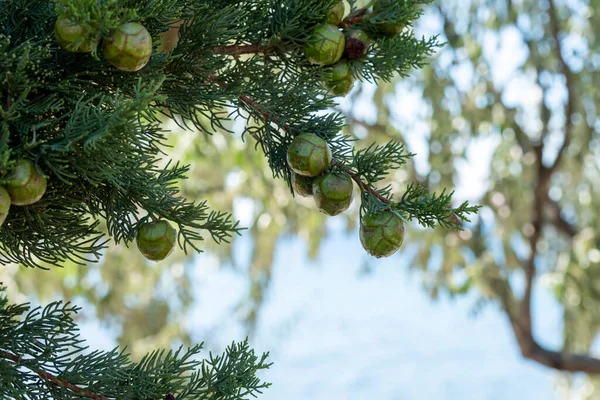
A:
(244, 49)
(569, 81)
(540, 198)
(559, 222)
(52, 378)
(544, 174)
(530, 348)
(256, 48)
(569, 362)
(522, 326)
(270, 117)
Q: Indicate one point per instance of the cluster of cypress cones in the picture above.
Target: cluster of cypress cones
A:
(129, 47)
(309, 156)
(334, 47)
(310, 159)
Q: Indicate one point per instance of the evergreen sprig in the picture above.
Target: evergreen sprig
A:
(96, 131)
(42, 356)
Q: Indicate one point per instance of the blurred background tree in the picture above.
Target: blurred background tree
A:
(514, 93)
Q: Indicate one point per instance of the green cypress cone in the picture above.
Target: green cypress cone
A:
(386, 29)
(333, 192)
(73, 37)
(4, 204)
(338, 78)
(336, 14)
(156, 240)
(382, 233)
(24, 184)
(341, 87)
(309, 155)
(303, 185)
(129, 47)
(325, 45)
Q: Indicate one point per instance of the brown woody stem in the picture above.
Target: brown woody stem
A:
(52, 378)
(244, 49)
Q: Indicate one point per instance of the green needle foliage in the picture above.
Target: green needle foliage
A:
(96, 132)
(42, 356)
(98, 135)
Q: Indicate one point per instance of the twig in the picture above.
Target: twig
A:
(270, 117)
(171, 37)
(365, 187)
(354, 18)
(52, 378)
(244, 49)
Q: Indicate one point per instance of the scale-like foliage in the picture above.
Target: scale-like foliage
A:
(96, 131)
(97, 134)
(42, 356)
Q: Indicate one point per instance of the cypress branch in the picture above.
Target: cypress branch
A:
(94, 127)
(42, 356)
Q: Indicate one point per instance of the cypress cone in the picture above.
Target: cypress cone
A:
(387, 29)
(24, 184)
(382, 233)
(4, 204)
(156, 240)
(336, 14)
(308, 155)
(338, 71)
(338, 78)
(129, 47)
(333, 193)
(357, 44)
(341, 87)
(325, 45)
(72, 36)
(303, 185)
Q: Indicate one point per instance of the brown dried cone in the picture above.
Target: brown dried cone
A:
(325, 45)
(25, 184)
(357, 44)
(336, 14)
(156, 240)
(129, 47)
(303, 185)
(382, 233)
(4, 204)
(73, 37)
(333, 192)
(309, 155)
